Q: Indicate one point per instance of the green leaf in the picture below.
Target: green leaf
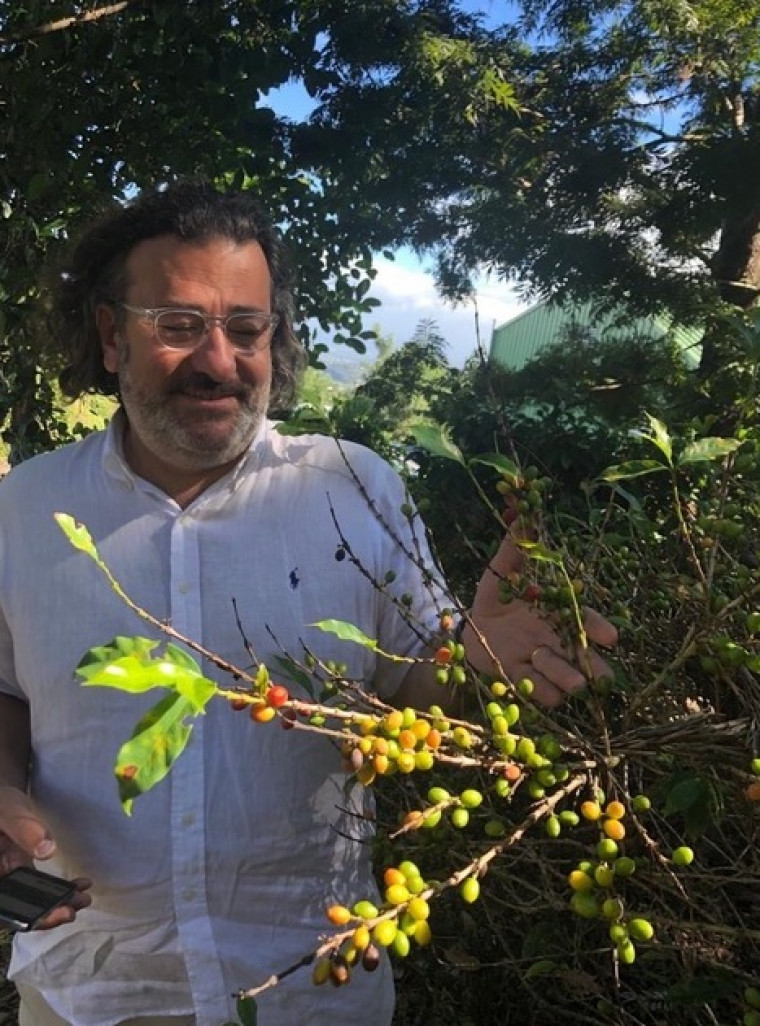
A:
(247, 1011)
(540, 552)
(660, 437)
(128, 664)
(504, 466)
(296, 674)
(543, 967)
(631, 468)
(157, 742)
(346, 632)
(434, 438)
(309, 422)
(77, 534)
(691, 796)
(706, 449)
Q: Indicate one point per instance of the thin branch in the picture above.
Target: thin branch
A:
(65, 23)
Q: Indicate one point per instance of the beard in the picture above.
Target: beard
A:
(188, 437)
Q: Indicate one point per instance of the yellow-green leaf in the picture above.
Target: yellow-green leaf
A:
(707, 449)
(77, 534)
(434, 438)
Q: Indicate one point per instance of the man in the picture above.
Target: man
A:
(180, 304)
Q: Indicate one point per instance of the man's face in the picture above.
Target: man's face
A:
(189, 411)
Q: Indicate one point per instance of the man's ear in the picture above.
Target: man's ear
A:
(105, 322)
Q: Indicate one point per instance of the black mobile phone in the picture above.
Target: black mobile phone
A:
(28, 894)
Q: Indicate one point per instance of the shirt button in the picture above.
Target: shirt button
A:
(184, 588)
(188, 819)
(188, 894)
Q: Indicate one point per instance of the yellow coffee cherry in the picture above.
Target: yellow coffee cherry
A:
(591, 811)
(614, 828)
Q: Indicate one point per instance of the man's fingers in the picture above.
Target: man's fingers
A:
(67, 913)
(509, 559)
(599, 631)
(20, 822)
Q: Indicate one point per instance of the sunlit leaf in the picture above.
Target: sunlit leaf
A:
(157, 742)
(538, 551)
(434, 438)
(346, 632)
(128, 664)
(660, 437)
(707, 449)
(631, 468)
(77, 534)
(504, 466)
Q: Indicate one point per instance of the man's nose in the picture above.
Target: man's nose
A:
(215, 355)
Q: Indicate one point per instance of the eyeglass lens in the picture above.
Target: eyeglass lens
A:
(184, 328)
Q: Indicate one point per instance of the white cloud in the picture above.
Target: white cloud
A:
(407, 295)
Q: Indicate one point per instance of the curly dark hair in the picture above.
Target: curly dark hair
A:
(96, 273)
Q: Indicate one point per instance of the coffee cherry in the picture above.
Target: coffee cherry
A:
(277, 696)
(338, 915)
(383, 933)
(397, 894)
(612, 908)
(640, 929)
(607, 849)
(365, 910)
(371, 959)
(553, 827)
(471, 798)
(640, 803)
(615, 810)
(683, 856)
(580, 881)
(627, 952)
(469, 889)
(614, 828)
(591, 810)
(460, 818)
(360, 938)
(400, 945)
(604, 876)
(584, 904)
(261, 713)
(624, 866)
(321, 972)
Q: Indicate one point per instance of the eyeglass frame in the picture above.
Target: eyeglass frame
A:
(153, 313)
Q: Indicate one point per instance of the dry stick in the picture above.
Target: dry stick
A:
(476, 866)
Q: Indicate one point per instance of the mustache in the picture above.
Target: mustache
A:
(203, 386)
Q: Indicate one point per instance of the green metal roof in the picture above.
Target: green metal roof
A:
(521, 340)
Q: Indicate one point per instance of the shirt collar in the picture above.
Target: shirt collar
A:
(115, 464)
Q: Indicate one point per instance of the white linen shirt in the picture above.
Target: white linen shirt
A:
(222, 875)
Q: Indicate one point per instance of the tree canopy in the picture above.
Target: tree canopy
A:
(607, 149)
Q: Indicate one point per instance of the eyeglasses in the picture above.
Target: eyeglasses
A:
(186, 329)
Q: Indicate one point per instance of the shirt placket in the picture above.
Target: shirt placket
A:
(188, 821)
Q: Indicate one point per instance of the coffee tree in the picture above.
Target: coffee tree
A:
(594, 863)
